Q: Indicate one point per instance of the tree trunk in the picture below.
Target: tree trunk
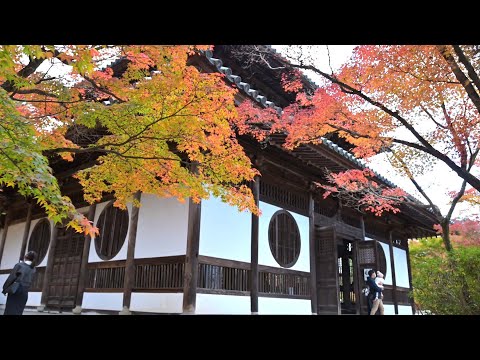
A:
(465, 299)
(446, 235)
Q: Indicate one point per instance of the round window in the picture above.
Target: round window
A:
(284, 238)
(40, 240)
(112, 225)
(382, 261)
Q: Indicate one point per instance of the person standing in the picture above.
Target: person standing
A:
(377, 301)
(372, 302)
(22, 274)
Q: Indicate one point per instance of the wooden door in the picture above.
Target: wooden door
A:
(346, 276)
(366, 259)
(327, 271)
(63, 284)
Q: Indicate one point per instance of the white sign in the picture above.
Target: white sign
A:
(365, 273)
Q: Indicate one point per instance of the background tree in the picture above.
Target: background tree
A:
(438, 283)
(145, 112)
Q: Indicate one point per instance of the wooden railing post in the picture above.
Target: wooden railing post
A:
(129, 263)
(83, 264)
(48, 269)
(394, 278)
(3, 239)
(190, 278)
(254, 250)
(313, 257)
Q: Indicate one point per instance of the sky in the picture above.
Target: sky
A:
(436, 182)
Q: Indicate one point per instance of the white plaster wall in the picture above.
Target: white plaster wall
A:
(3, 298)
(404, 310)
(265, 256)
(401, 268)
(273, 306)
(389, 309)
(386, 250)
(222, 304)
(162, 227)
(103, 301)
(122, 254)
(13, 243)
(34, 298)
(169, 303)
(225, 232)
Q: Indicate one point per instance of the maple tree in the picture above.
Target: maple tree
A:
(417, 104)
(465, 232)
(154, 122)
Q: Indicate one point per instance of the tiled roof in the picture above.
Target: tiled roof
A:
(263, 101)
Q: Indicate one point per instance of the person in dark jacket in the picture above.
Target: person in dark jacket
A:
(22, 273)
(373, 289)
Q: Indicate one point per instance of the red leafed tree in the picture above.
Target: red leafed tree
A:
(418, 104)
(466, 232)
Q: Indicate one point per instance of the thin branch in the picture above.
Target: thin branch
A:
(48, 101)
(329, 60)
(32, 91)
(102, 89)
(455, 200)
(433, 119)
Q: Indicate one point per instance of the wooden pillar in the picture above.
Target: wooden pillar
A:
(130, 261)
(49, 269)
(190, 277)
(26, 232)
(392, 264)
(254, 250)
(359, 279)
(83, 264)
(313, 265)
(362, 226)
(339, 210)
(3, 239)
(412, 300)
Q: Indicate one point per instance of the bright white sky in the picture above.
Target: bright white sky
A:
(436, 183)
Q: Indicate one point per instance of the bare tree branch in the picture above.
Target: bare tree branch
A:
(466, 83)
(471, 71)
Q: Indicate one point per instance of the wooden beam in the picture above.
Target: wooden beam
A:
(130, 261)
(412, 300)
(3, 239)
(83, 264)
(191, 260)
(26, 231)
(49, 269)
(394, 278)
(312, 249)
(254, 250)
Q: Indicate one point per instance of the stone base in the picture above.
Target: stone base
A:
(77, 310)
(254, 312)
(125, 311)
